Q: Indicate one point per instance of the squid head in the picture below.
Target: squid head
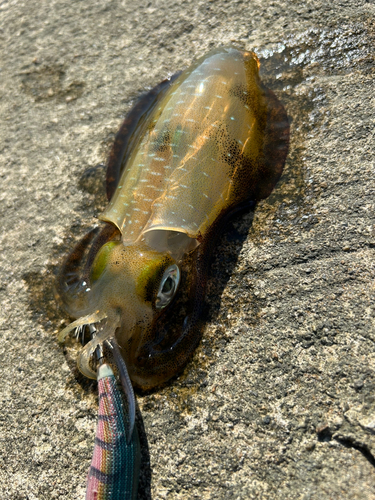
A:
(127, 290)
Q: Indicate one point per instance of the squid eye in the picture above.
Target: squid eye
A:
(168, 286)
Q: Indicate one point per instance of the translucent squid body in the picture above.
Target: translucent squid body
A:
(196, 149)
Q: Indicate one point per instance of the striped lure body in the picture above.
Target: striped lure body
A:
(114, 469)
(205, 144)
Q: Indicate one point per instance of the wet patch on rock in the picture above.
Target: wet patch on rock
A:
(48, 82)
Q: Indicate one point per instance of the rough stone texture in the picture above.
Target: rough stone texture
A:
(278, 401)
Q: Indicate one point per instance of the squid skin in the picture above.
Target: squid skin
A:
(114, 470)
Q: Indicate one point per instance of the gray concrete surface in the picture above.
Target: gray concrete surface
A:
(278, 402)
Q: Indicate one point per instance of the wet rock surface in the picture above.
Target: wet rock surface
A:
(278, 401)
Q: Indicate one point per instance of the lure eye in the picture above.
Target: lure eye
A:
(168, 286)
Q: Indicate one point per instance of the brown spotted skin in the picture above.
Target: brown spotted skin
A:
(206, 144)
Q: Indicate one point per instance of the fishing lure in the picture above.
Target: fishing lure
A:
(199, 147)
(114, 470)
